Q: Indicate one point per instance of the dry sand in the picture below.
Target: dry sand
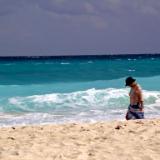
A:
(132, 140)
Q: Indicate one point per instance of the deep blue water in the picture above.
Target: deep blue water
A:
(66, 89)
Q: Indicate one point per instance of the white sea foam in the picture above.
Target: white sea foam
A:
(9, 64)
(90, 105)
(65, 63)
(131, 70)
(90, 61)
(90, 98)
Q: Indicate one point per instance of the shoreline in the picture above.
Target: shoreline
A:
(122, 140)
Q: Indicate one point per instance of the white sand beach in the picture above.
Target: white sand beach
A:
(127, 140)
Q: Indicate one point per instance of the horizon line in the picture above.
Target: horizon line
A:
(93, 56)
(75, 55)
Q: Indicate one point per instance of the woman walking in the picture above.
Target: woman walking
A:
(136, 108)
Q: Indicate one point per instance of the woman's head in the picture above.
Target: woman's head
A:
(130, 81)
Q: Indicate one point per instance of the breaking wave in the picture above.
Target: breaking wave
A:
(86, 106)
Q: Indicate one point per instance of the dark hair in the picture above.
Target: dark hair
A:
(129, 80)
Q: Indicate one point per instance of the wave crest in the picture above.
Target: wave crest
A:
(89, 105)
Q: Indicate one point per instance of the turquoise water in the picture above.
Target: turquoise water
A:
(88, 89)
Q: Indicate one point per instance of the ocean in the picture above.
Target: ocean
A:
(44, 90)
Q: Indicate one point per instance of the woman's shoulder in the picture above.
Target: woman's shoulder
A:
(138, 88)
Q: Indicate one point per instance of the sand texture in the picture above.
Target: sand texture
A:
(128, 140)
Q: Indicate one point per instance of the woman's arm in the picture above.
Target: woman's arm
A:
(140, 98)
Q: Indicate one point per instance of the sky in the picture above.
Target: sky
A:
(79, 27)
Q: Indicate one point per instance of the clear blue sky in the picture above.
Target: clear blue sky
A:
(59, 27)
